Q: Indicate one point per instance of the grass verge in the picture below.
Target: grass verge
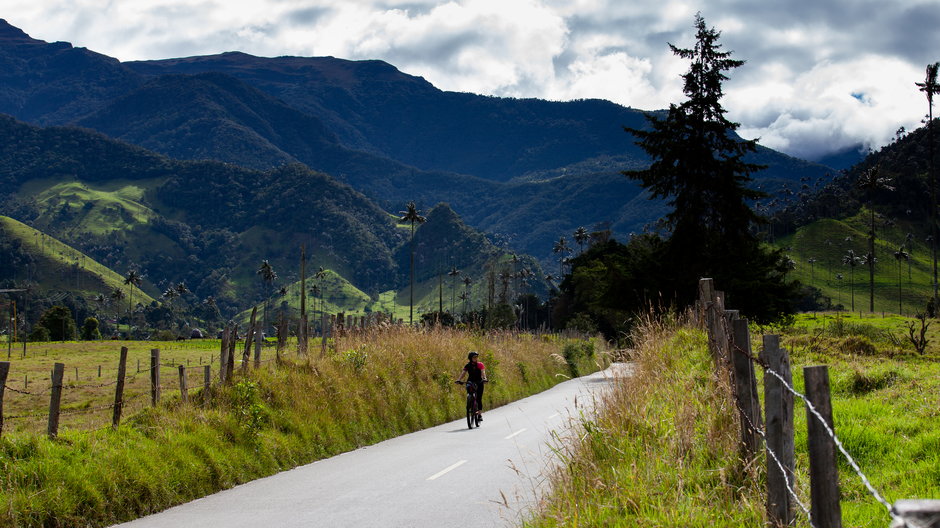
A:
(368, 388)
(663, 449)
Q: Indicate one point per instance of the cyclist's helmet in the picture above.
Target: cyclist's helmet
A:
(472, 354)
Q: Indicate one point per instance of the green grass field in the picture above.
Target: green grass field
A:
(828, 241)
(664, 450)
(886, 401)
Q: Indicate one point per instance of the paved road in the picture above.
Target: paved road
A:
(444, 476)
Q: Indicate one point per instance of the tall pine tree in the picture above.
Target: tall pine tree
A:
(698, 166)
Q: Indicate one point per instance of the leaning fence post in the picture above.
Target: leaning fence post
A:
(745, 385)
(249, 339)
(154, 376)
(258, 338)
(826, 512)
(778, 411)
(119, 389)
(55, 401)
(4, 372)
(184, 389)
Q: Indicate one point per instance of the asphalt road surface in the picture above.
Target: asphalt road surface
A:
(447, 475)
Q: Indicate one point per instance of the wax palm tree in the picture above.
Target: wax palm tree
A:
(168, 295)
(851, 260)
(561, 248)
(812, 270)
(839, 289)
(581, 236)
(467, 281)
(411, 215)
(931, 87)
(131, 279)
(872, 182)
(900, 255)
(453, 274)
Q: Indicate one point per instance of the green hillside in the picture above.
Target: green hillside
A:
(828, 241)
(61, 267)
(98, 209)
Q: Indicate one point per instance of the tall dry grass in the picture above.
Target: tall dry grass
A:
(367, 387)
(663, 450)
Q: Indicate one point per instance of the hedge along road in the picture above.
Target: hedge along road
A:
(447, 475)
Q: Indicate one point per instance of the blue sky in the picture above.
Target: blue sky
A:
(820, 75)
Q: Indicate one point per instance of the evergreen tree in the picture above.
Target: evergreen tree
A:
(698, 166)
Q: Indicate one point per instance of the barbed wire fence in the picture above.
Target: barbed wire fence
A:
(729, 343)
(59, 385)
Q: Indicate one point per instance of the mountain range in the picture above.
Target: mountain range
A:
(255, 149)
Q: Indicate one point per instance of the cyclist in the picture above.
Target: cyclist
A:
(476, 373)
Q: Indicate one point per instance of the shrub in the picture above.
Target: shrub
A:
(583, 323)
(90, 331)
(164, 335)
(859, 345)
(40, 333)
(865, 382)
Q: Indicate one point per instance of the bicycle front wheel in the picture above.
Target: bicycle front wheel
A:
(471, 411)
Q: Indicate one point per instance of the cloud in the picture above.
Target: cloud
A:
(831, 107)
(805, 58)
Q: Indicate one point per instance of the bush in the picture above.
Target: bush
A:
(583, 323)
(858, 345)
(90, 331)
(40, 333)
(575, 353)
(164, 335)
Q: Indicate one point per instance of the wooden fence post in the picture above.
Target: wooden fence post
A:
(154, 376)
(230, 362)
(249, 338)
(4, 372)
(323, 333)
(184, 386)
(826, 512)
(55, 401)
(778, 411)
(745, 385)
(259, 336)
(223, 353)
(119, 389)
(206, 383)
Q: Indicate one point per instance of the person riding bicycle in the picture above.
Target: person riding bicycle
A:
(475, 372)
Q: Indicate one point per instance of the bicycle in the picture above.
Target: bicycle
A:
(473, 406)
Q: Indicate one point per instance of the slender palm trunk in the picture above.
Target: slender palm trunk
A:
(411, 297)
(933, 203)
(852, 286)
